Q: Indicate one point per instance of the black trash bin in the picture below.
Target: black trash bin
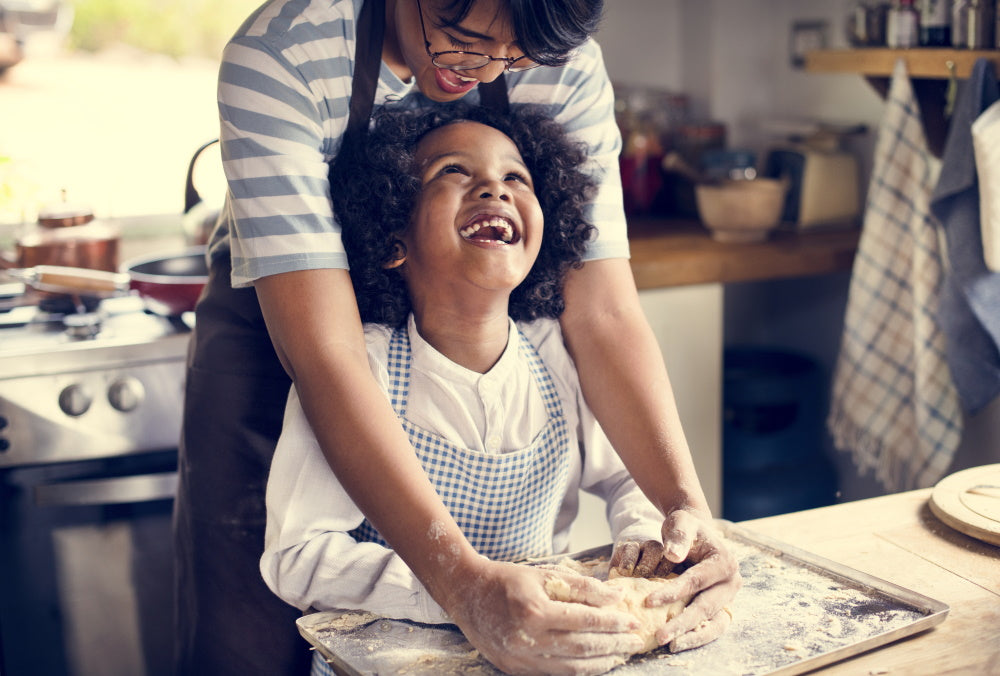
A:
(772, 438)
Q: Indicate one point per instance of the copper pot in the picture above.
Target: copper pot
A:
(69, 236)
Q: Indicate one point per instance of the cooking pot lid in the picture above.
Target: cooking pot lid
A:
(64, 214)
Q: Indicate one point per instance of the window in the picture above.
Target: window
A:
(109, 109)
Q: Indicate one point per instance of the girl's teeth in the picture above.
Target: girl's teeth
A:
(506, 231)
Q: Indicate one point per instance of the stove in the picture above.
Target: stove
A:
(104, 381)
(91, 399)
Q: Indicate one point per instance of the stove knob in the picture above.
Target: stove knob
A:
(75, 400)
(126, 393)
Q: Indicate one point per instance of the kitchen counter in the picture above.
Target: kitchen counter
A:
(898, 539)
(668, 252)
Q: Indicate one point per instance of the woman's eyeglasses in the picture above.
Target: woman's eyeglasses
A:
(459, 60)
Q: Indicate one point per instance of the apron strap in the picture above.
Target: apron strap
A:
(367, 62)
(493, 95)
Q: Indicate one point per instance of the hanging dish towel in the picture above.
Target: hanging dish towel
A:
(970, 298)
(894, 406)
(986, 142)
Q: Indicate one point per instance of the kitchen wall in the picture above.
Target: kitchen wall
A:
(732, 58)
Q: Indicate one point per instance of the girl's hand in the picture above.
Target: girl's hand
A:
(712, 577)
(504, 611)
(640, 559)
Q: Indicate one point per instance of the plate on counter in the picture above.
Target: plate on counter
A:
(969, 502)
(796, 612)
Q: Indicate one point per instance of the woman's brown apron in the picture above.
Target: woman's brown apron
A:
(228, 621)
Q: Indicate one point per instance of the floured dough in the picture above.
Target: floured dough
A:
(634, 603)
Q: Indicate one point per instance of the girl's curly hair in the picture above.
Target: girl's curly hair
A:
(374, 192)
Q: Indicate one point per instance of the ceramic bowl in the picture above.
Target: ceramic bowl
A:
(742, 210)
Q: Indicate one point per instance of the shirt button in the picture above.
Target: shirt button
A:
(493, 443)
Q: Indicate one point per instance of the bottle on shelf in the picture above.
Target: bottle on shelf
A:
(960, 23)
(996, 26)
(903, 26)
(980, 25)
(935, 23)
(866, 23)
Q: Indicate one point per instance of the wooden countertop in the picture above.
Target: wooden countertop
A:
(897, 538)
(681, 252)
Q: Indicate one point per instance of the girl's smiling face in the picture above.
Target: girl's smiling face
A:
(477, 225)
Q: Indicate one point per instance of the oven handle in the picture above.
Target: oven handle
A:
(112, 491)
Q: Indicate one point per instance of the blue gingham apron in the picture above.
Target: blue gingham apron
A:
(505, 503)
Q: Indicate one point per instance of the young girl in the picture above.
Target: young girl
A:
(461, 225)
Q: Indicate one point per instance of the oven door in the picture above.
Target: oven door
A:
(86, 567)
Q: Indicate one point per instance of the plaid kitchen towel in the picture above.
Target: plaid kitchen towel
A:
(894, 405)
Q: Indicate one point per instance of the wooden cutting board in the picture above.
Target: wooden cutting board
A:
(969, 502)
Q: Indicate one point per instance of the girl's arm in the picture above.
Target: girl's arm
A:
(625, 382)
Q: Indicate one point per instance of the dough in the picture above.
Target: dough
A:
(634, 603)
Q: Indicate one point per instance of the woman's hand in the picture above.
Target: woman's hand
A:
(504, 611)
(713, 578)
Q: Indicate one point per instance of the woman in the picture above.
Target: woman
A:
(288, 79)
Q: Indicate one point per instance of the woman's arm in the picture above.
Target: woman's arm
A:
(502, 608)
(625, 382)
(310, 559)
(314, 324)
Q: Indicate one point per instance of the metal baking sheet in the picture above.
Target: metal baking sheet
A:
(796, 612)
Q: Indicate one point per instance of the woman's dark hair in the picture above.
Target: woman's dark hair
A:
(547, 30)
(375, 193)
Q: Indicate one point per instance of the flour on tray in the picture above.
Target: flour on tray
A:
(787, 612)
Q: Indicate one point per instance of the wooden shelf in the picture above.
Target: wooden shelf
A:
(924, 63)
(929, 73)
(669, 252)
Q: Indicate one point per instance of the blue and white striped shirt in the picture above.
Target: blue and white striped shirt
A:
(284, 91)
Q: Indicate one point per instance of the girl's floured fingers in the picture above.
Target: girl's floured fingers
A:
(650, 557)
(624, 557)
(664, 568)
(706, 632)
(679, 531)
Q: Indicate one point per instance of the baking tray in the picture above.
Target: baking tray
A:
(796, 612)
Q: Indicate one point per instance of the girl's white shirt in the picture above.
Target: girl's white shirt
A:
(309, 559)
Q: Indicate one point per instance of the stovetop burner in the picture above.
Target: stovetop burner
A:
(68, 305)
(63, 335)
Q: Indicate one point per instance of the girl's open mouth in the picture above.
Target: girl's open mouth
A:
(491, 229)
